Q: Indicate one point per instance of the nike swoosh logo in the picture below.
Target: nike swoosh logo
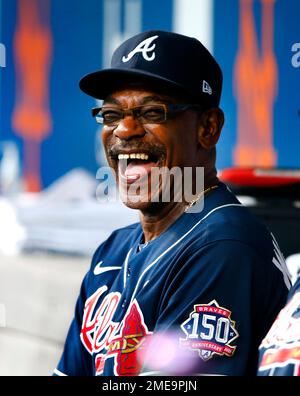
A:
(100, 270)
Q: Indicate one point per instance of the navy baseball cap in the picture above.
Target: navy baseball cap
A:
(161, 59)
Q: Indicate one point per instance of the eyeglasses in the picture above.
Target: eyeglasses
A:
(145, 114)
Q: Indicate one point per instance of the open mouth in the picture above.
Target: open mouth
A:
(136, 166)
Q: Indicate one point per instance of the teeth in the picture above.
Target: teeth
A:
(134, 156)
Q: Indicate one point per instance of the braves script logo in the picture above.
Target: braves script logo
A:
(144, 48)
(209, 330)
(107, 339)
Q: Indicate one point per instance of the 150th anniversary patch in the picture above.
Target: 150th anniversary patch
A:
(209, 330)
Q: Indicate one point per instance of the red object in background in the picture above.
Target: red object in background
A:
(255, 177)
(255, 86)
(33, 56)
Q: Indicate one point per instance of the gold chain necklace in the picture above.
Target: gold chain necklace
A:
(203, 193)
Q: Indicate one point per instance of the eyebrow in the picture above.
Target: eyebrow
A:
(155, 98)
(112, 100)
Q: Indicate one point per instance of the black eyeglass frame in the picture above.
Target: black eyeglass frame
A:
(169, 111)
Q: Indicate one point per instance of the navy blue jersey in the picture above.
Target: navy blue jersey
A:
(216, 279)
(280, 349)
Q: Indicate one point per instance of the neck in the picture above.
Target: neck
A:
(156, 220)
(159, 218)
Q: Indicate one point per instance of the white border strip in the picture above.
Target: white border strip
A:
(133, 17)
(2, 315)
(111, 29)
(194, 18)
(1, 93)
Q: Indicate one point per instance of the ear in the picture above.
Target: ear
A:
(211, 123)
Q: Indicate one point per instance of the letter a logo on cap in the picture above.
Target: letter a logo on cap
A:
(144, 48)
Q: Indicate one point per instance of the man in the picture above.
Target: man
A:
(193, 287)
(280, 349)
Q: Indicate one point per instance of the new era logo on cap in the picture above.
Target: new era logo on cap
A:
(144, 48)
(160, 60)
(206, 88)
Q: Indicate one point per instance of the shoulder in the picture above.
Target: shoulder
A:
(237, 224)
(229, 255)
(229, 234)
(223, 217)
(234, 238)
(121, 232)
(118, 241)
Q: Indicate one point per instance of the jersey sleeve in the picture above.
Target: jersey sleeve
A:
(221, 301)
(75, 359)
(280, 349)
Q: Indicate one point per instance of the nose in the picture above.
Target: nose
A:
(129, 128)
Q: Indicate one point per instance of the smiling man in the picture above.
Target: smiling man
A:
(194, 287)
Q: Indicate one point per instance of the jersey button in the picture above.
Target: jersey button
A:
(128, 272)
(123, 304)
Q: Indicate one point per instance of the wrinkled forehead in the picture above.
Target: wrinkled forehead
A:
(131, 96)
(146, 93)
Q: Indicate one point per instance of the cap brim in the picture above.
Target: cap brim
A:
(102, 83)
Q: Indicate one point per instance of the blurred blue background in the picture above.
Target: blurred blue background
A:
(83, 36)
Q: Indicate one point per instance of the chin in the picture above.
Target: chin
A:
(135, 201)
(142, 206)
(138, 195)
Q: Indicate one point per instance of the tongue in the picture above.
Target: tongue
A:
(138, 169)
